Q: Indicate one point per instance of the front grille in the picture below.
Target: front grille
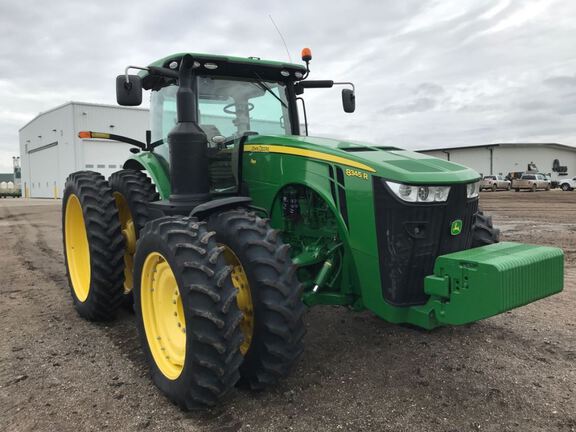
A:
(412, 235)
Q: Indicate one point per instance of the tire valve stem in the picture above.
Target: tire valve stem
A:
(322, 275)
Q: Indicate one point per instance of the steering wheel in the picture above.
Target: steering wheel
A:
(227, 109)
(230, 140)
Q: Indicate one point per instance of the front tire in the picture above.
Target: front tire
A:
(92, 245)
(269, 295)
(483, 231)
(186, 311)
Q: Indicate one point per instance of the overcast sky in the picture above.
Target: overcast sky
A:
(427, 73)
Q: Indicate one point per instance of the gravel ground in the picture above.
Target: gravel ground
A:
(513, 372)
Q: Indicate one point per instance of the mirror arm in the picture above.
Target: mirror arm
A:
(113, 137)
(132, 67)
(347, 83)
(152, 70)
(301, 85)
(155, 144)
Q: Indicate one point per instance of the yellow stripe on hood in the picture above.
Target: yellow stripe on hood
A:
(266, 148)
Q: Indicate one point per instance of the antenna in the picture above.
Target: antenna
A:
(281, 37)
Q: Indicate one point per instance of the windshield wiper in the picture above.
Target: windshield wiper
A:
(264, 86)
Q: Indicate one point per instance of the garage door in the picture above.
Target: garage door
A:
(104, 157)
(43, 171)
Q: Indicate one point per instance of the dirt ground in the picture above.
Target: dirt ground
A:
(513, 372)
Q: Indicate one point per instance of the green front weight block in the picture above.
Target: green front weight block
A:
(478, 283)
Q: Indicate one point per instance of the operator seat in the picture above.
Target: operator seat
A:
(220, 162)
(211, 131)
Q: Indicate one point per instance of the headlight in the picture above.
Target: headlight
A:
(413, 193)
(472, 189)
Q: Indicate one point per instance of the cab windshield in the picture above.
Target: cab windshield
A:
(226, 107)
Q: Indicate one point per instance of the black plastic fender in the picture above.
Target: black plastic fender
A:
(203, 210)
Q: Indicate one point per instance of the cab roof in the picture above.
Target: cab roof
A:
(249, 67)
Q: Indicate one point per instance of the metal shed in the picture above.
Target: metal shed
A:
(50, 148)
(556, 160)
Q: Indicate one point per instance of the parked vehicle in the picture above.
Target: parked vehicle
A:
(495, 182)
(548, 178)
(568, 184)
(514, 175)
(12, 193)
(532, 182)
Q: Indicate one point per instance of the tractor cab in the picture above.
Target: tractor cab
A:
(229, 99)
(229, 110)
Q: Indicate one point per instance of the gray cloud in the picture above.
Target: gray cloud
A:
(429, 89)
(561, 82)
(418, 105)
(443, 72)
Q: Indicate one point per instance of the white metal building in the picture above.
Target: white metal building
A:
(50, 148)
(557, 160)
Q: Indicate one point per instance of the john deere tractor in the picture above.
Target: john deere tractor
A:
(229, 220)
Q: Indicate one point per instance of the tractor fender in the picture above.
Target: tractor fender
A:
(204, 210)
(155, 167)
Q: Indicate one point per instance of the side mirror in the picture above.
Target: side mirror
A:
(128, 93)
(348, 100)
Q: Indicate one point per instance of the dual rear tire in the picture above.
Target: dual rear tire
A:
(93, 246)
(269, 295)
(216, 302)
(101, 222)
(186, 311)
(132, 191)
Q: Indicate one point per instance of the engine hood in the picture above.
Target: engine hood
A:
(391, 163)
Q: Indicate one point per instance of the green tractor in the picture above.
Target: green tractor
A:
(230, 220)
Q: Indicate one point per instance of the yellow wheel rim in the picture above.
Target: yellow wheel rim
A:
(129, 234)
(77, 250)
(163, 315)
(243, 298)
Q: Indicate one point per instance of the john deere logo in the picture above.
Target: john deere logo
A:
(456, 227)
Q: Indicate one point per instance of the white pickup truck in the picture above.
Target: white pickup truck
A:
(567, 184)
(532, 182)
(494, 182)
